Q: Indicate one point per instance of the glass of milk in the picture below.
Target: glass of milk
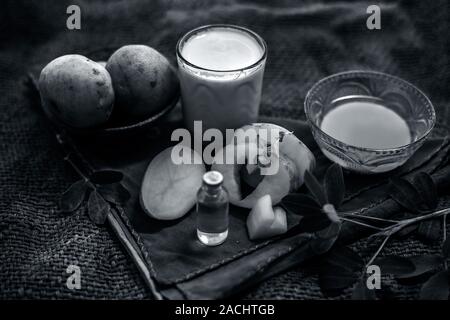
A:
(221, 71)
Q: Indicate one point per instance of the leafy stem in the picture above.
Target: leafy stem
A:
(360, 216)
(360, 223)
(399, 225)
(342, 266)
(78, 171)
(407, 222)
(375, 255)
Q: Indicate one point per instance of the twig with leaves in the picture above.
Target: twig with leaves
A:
(105, 190)
(342, 267)
(102, 187)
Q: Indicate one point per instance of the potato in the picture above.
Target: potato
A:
(292, 149)
(276, 185)
(169, 190)
(264, 221)
(77, 91)
(143, 80)
(293, 157)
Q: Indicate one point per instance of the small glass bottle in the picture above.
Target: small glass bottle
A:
(212, 210)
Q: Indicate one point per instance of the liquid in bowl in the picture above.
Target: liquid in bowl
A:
(366, 124)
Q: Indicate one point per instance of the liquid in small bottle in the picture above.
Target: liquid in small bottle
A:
(212, 210)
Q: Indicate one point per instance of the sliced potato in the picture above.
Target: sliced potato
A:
(264, 222)
(279, 225)
(169, 190)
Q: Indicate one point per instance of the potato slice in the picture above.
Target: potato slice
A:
(279, 225)
(169, 190)
(264, 222)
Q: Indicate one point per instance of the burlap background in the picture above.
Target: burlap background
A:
(307, 40)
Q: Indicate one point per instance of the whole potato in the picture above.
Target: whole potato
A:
(143, 79)
(77, 91)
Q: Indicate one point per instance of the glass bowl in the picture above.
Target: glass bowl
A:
(396, 94)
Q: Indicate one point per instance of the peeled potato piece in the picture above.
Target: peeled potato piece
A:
(291, 148)
(264, 221)
(276, 185)
(293, 157)
(279, 225)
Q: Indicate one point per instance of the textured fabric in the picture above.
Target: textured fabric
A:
(306, 40)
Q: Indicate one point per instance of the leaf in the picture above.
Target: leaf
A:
(314, 223)
(436, 288)
(423, 264)
(325, 238)
(98, 208)
(404, 193)
(362, 292)
(315, 188)
(429, 231)
(106, 176)
(309, 224)
(334, 185)
(72, 198)
(426, 187)
(330, 232)
(395, 265)
(345, 258)
(115, 193)
(446, 248)
(336, 279)
(301, 204)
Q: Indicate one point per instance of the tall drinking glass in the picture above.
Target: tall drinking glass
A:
(221, 71)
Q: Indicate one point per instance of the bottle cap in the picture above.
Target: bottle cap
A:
(213, 178)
